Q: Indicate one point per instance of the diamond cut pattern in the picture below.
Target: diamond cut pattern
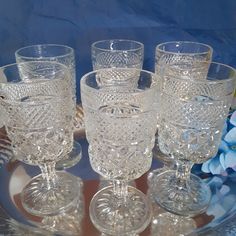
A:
(117, 59)
(192, 117)
(120, 128)
(117, 150)
(40, 116)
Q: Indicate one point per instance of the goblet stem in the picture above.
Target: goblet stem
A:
(49, 174)
(183, 171)
(120, 188)
(50, 193)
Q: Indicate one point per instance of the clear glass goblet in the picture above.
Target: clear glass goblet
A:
(176, 52)
(120, 126)
(39, 108)
(193, 111)
(65, 55)
(117, 53)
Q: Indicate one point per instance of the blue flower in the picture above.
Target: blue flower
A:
(225, 160)
(223, 199)
(223, 168)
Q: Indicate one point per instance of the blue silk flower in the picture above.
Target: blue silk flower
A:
(224, 163)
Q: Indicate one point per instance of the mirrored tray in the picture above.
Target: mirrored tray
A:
(14, 175)
(14, 220)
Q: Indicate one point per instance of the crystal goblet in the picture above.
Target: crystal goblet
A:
(39, 109)
(120, 126)
(116, 53)
(193, 112)
(65, 55)
(177, 52)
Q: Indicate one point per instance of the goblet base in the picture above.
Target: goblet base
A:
(115, 216)
(151, 178)
(169, 224)
(41, 199)
(190, 199)
(71, 158)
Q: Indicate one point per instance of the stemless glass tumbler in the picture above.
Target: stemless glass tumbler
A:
(117, 53)
(38, 102)
(193, 112)
(120, 126)
(168, 53)
(66, 56)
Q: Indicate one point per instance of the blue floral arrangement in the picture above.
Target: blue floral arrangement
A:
(220, 172)
(224, 163)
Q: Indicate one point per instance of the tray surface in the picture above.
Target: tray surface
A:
(14, 175)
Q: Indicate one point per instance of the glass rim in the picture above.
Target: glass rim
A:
(140, 45)
(85, 76)
(2, 68)
(184, 53)
(215, 81)
(17, 52)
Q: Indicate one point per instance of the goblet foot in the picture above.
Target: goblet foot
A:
(186, 200)
(71, 158)
(115, 216)
(151, 178)
(171, 225)
(41, 199)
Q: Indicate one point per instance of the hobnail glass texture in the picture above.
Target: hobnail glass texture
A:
(114, 119)
(39, 105)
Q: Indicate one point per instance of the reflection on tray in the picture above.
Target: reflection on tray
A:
(77, 221)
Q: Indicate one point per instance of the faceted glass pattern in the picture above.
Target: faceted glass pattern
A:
(120, 122)
(65, 55)
(114, 120)
(37, 109)
(38, 100)
(193, 112)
